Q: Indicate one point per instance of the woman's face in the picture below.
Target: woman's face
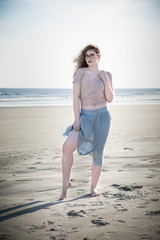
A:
(92, 58)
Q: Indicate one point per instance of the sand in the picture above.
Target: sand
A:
(30, 161)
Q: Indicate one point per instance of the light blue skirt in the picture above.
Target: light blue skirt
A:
(93, 133)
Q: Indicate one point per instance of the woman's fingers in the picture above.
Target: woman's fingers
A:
(76, 127)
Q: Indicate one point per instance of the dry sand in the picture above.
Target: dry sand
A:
(30, 179)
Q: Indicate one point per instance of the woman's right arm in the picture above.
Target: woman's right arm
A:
(76, 105)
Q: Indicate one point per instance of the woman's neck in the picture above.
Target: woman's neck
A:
(93, 68)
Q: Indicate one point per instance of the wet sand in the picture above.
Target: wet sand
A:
(30, 179)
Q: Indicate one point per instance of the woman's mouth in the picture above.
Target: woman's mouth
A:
(89, 61)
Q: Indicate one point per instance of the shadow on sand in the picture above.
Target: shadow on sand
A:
(35, 208)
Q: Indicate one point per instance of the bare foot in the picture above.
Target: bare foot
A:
(64, 191)
(94, 193)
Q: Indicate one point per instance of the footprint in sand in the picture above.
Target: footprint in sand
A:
(53, 238)
(145, 236)
(52, 230)
(31, 168)
(127, 188)
(50, 223)
(99, 223)
(153, 213)
(73, 213)
(127, 148)
(155, 199)
(121, 221)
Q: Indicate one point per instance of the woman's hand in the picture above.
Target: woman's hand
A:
(76, 125)
(104, 76)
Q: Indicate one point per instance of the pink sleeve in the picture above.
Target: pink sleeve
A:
(77, 76)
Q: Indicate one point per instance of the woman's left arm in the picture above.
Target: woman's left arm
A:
(108, 85)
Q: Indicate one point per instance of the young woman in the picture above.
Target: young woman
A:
(92, 89)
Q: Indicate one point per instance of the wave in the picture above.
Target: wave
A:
(64, 97)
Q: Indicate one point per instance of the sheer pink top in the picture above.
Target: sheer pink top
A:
(92, 88)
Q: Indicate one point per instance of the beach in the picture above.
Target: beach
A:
(31, 140)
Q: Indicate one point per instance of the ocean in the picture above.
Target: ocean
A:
(30, 97)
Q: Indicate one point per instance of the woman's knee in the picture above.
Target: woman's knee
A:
(71, 143)
(64, 147)
(67, 148)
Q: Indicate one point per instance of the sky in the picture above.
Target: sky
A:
(40, 38)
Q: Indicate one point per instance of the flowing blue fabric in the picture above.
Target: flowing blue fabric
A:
(94, 130)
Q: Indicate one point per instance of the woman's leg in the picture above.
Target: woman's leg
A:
(96, 171)
(104, 128)
(69, 146)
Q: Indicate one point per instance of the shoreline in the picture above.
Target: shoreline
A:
(122, 104)
(108, 106)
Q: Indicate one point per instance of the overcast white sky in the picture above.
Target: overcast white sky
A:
(40, 38)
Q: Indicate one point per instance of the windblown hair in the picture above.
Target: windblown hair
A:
(80, 59)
